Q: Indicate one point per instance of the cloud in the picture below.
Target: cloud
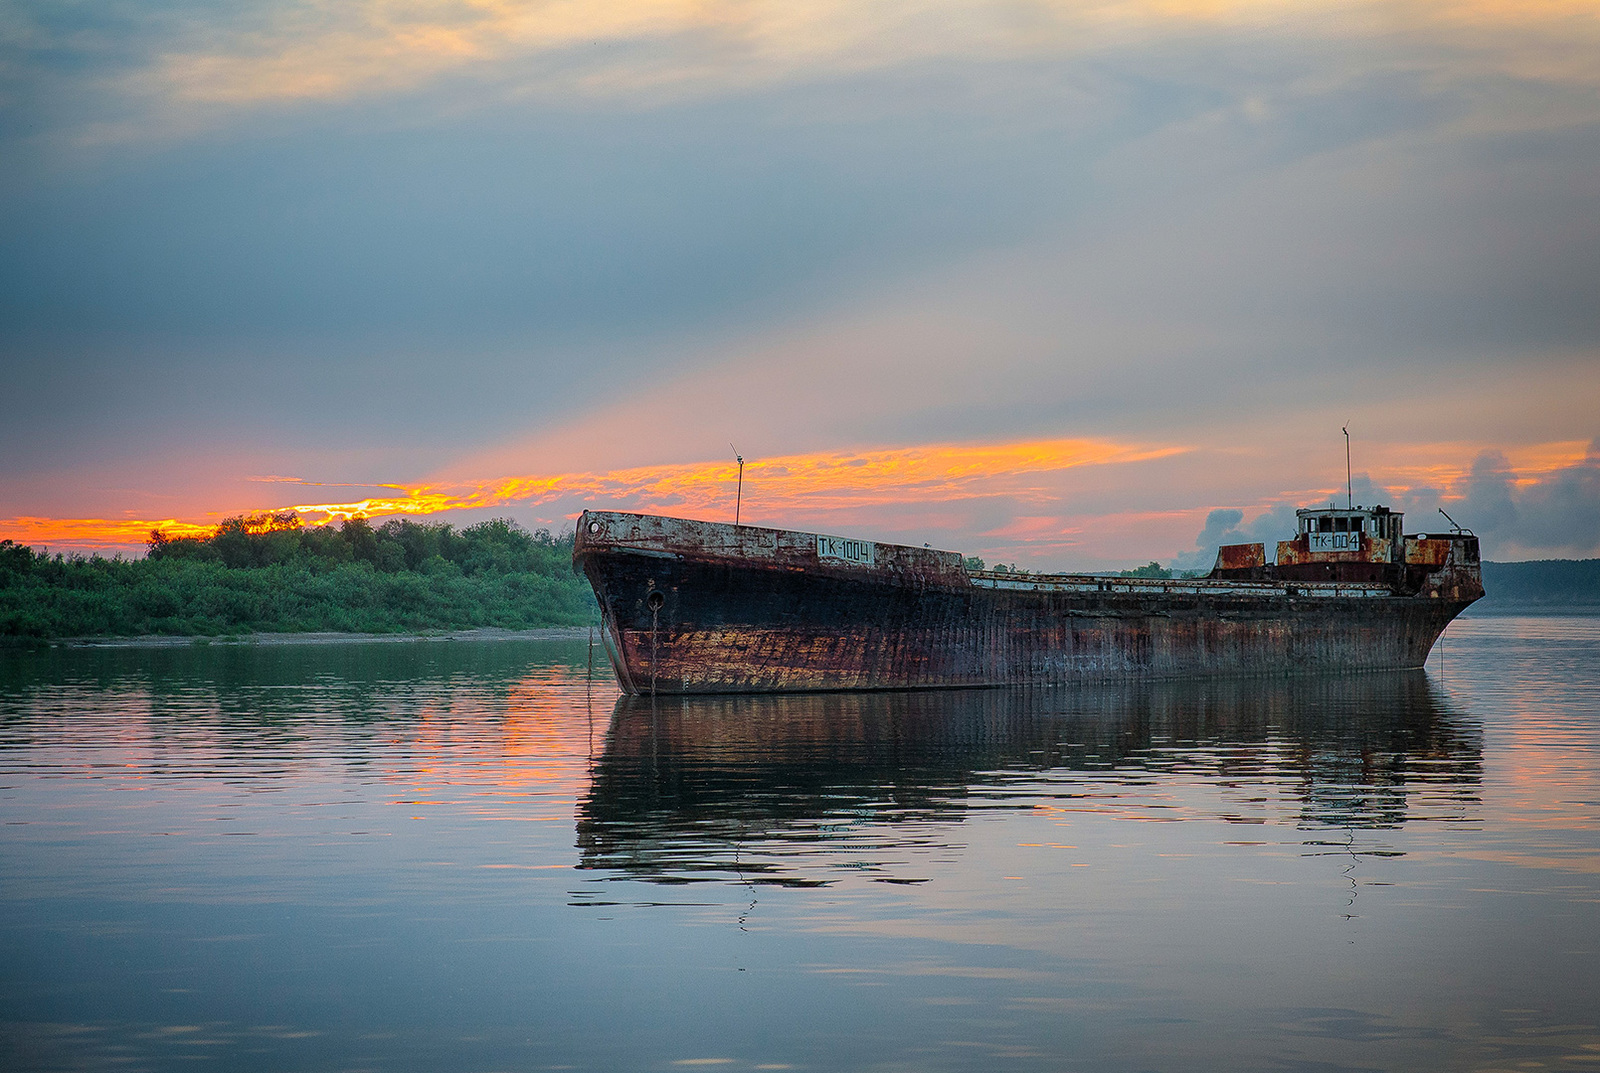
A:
(93, 534)
(1224, 526)
(1487, 502)
(817, 486)
(1220, 527)
(1545, 507)
(822, 482)
(1052, 504)
(1555, 514)
(176, 67)
(419, 243)
(316, 49)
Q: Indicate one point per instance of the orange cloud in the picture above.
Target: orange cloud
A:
(1447, 465)
(814, 482)
(818, 481)
(68, 533)
(931, 488)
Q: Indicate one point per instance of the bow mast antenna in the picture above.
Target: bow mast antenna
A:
(1349, 497)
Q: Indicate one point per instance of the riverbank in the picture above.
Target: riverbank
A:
(325, 637)
(499, 578)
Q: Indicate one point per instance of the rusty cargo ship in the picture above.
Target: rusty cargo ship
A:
(706, 607)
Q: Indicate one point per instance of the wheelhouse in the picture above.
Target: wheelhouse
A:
(1366, 545)
(1329, 530)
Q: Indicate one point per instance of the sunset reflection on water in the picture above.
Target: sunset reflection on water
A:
(443, 855)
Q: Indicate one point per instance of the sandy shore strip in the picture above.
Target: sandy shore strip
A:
(486, 633)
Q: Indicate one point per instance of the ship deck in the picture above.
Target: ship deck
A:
(1090, 583)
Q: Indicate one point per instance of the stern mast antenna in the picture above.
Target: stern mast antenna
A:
(738, 495)
(1349, 496)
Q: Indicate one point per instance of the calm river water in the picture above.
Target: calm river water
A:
(465, 856)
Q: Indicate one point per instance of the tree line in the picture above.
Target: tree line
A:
(495, 546)
(272, 573)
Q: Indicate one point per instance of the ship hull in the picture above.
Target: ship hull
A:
(723, 609)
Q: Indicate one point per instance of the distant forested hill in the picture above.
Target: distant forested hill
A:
(1545, 584)
(271, 574)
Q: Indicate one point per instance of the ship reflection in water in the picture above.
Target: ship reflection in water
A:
(311, 857)
(801, 790)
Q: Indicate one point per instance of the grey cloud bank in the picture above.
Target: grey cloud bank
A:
(1557, 515)
(1204, 230)
(1554, 515)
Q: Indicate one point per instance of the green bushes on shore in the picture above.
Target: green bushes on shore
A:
(271, 574)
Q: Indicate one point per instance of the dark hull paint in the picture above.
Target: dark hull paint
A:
(700, 619)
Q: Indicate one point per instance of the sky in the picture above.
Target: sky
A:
(1070, 285)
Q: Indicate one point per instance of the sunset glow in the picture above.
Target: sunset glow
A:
(71, 533)
(864, 489)
(368, 48)
(821, 481)
(1448, 466)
